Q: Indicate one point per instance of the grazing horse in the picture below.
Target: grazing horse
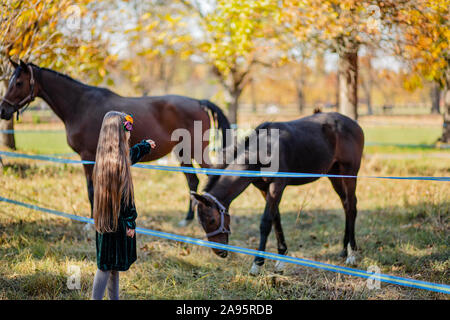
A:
(81, 107)
(323, 143)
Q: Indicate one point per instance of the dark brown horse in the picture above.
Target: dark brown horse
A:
(327, 143)
(81, 107)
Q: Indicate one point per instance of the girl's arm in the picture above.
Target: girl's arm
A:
(139, 150)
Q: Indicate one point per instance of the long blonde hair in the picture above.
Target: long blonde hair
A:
(112, 173)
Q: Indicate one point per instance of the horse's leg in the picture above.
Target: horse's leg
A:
(88, 168)
(263, 193)
(193, 182)
(338, 186)
(269, 217)
(281, 243)
(350, 217)
(346, 188)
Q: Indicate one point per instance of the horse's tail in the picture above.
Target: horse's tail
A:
(220, 120)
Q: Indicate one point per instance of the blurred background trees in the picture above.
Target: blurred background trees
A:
(357, 57)
(51, 34)
(425, 47)
(234, 36)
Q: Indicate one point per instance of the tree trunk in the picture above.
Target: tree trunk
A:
(6, 139)
(169, 74)
(446, 127)
(234, 106)
(369, 102)
(300, 100)
(253, 95)
(367, 87)
(336, 89)
(435, 98)
(348, 83)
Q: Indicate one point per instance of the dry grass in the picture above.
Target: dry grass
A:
(403, 228)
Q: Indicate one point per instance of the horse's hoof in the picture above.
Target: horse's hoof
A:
(351, 260)
(279, 266)
(343, 254)
(184, 223)
(255, 269)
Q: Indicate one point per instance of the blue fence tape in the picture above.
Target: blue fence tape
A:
(210, 171)
(443, 288)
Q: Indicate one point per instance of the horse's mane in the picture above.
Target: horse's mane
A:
(62, 75)
(59, 74)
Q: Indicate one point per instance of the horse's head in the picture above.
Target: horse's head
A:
(21, 90)
(215, 220)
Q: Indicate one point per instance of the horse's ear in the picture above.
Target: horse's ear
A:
(14, 64)
(201, 198)
(24, 66)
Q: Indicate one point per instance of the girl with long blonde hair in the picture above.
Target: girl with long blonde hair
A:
(114, 209)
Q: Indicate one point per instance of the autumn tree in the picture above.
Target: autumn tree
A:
(235, 36)
(59, 34)
(424, 30)
(158, 39)
(343, 27)
(367, 79)
(299, 73)
(294, 54)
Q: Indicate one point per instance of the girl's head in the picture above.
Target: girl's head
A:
(112, 173)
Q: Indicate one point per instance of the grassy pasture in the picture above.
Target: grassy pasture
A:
(403, 227)
(386, 131)
(55, 142)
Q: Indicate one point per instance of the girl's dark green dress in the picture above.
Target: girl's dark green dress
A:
(116, 251)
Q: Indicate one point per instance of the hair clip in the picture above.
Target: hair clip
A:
(128, 123)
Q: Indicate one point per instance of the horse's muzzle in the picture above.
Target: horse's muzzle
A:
(222, 253)
(5, 115)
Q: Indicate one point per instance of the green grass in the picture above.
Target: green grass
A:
(43, 143)
(55, 143)
(402, 227)
(400, 139)
(402, 134)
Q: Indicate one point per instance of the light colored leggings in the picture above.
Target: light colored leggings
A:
(101, 280)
